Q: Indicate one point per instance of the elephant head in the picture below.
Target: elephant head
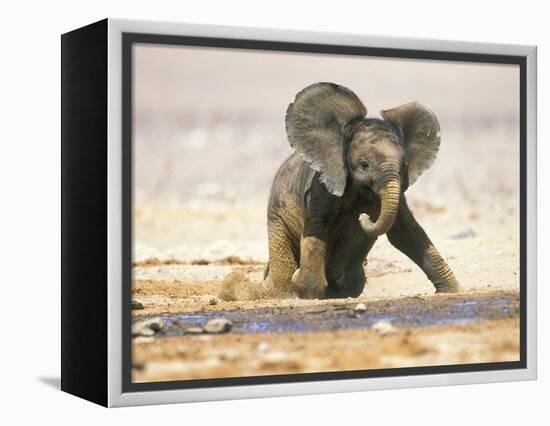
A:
(327, 126)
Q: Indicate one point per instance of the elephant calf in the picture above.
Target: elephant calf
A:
(342, 188)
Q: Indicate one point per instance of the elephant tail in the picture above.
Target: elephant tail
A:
(237, 286)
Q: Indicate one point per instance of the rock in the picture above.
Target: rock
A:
(147, 327)
(139, 329)
(384, 328)
(360, 308)
(194, 330)
(155, 324)
(217, 325)
(465, 233)
(263, 347)
(136, 304)
(213, 301)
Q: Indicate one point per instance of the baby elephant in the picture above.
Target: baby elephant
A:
(342, 188)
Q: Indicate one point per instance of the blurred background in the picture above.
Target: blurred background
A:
(209, 135)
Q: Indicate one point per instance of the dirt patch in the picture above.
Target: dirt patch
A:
(253, 354)
(337, 314)
(194, 225)
(172, 289)
(319, 335)
(228, 260)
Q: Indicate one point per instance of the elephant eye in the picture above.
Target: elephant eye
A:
(364, 165)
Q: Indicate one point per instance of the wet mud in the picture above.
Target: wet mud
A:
(403, 313)
(321, 336)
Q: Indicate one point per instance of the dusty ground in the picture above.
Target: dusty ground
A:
(184, 250)
(204, 159)
(484, 258)
(233, 355)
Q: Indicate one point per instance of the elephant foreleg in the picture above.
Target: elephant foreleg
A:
(409, 237)
(310, 281)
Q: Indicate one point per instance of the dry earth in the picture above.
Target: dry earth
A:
(204, 159)
(234, 355)
(183, 254)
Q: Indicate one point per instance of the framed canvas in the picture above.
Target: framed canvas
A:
(251, 212)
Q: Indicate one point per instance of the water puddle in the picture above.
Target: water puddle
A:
(409, 313)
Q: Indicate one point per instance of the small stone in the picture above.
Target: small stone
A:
(194, 330)
(384, 328)
(465, 233)
(218, 325)
(360, 308)
(141, 331)
(147, 327)
(156, 324)
(262, 347)
(136, 304)
(213, 301)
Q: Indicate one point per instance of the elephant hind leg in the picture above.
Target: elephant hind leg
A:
(237, 286)
(282, 264)
(277, 283)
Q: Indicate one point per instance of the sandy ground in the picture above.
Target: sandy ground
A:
(479, 242)
(233, 355)
(205, 156)
(183, 250)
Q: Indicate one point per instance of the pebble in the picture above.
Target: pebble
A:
(465, 233)
(384, 328)
(360, 308)
(136, 304)
(155, 324)
(217, 325)
(263, 347)
(142, 331)
(147, 327)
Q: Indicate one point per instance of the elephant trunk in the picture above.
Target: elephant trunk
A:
(389, 200)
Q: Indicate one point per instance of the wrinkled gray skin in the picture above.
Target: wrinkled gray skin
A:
(342, 189)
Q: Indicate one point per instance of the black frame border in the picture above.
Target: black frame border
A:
(129, 39)
(84, 184)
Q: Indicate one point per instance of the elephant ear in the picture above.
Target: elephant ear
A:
(315, 125)
(420, 131)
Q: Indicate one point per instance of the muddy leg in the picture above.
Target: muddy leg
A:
(322, 212)
(310, 281)
(282, 264)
